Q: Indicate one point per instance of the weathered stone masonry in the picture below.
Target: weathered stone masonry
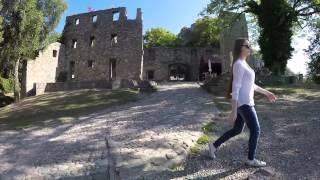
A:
(103, 46)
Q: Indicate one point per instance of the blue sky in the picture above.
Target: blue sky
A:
(169, 14)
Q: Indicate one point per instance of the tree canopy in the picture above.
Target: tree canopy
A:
(277, 20)
(160, 37)
(314, 54)
(204, 32)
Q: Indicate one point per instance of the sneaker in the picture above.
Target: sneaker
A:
(256, 163)
(212, 151)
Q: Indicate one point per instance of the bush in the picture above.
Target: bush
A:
(6, 85)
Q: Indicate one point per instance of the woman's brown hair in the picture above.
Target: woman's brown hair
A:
(236, 53)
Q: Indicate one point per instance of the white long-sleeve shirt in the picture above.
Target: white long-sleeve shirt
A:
(243, 85)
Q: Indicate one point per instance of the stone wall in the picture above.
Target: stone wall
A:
(106, 43)
(272, 80)
(41, 88)
(43, 69)
(107, 46)
(159, 61)
(235, 29)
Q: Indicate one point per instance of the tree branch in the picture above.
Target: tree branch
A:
(305, 8)
(310, 13)
(295, 4)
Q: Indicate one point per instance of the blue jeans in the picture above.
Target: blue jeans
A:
(246, 114)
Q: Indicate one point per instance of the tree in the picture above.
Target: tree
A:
(314, 54)
(52, 11)
(204, 32)
(52, 38)
(27, 26)
(273, 14)
(276, 21)
(1, 21)
(159, 37)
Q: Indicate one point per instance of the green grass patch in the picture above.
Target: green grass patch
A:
(62, 107)
(204, 139)
(208, 128)
(6, 85)
(221, 103)
(195, 149)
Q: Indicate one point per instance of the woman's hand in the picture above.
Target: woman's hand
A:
(272, 98)
(233, 116)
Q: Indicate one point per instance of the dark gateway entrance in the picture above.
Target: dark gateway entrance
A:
(216, 67)
(179, 72)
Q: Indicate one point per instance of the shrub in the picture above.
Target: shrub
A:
(6, 85)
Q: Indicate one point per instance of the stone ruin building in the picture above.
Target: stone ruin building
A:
(102, 47)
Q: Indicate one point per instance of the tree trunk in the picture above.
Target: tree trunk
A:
(17, 88)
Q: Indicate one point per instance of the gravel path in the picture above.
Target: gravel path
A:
(124, 141)
(289, 143)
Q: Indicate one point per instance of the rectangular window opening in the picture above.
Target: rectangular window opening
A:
(90, 64)
(94, 18)
(74, 44)
(72, 69)
(116, 15)
(54, 53)
(92, 41)
(150, 74)
(114, 39)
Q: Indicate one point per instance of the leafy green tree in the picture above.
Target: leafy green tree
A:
(159, 37)
(314, 54)
(204, 32)
(27, 26)
(276, 18)
(1, 21)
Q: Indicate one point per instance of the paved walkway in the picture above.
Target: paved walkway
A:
(120, 142)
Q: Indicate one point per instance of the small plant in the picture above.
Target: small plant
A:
(204, 139)
(6, 85)
(208, 128)
(195, 149)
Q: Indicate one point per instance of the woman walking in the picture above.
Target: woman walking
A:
(241, 91)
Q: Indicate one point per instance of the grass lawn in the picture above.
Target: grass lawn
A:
(60, 107)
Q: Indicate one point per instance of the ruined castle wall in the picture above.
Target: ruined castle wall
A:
(159, 59)
(92, 61)
(42, 69)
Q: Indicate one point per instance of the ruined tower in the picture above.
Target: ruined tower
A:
(103, 45)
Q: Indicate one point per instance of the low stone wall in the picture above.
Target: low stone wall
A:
(41, 88)
(142, 85)
(278, 80)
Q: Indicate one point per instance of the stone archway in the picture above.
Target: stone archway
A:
(179, 72)
(216, 66)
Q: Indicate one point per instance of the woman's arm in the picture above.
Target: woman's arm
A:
(233, 114)
(270, 95)
(238, 72)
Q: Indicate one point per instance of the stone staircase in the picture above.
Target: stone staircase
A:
(217, 85)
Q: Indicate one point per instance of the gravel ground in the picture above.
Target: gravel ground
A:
(140, 140)
(125, 141)
(289, 143)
